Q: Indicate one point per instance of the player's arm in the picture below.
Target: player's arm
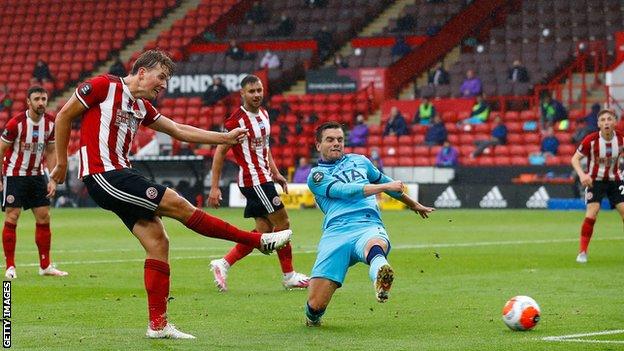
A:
(322, 184)
(376, 177)
(416, 206)
(185, 132)
(50, 158)
(214, 197)
(584, 178)
(4, 145)
(62, 129)
(277, 176)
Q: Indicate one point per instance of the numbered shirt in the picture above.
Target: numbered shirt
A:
(338, 189)
(603, 156)
(28, 141)
(110, 123)
(252, 155)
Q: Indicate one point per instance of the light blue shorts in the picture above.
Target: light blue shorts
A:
(342, 245)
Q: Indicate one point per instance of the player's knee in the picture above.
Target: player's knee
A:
(174, 205)
(159, 246)
(12, 216)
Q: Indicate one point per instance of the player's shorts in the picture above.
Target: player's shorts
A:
(342, 245)
(25, 191)
(127, 193)
(614, 190)
(261, 200)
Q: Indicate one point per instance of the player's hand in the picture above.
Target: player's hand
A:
(585, 180)
(423, 211)
(279, 179)
(236, 136)
(214, 197)
(395, 185)
(51, 189)
(59, 173)
(1, 184)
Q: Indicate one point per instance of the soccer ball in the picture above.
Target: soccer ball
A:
(521, 313)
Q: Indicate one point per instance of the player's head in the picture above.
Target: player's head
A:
(152, 70)
(606, 120)
(252, 92)
(37, 99)
(330, 141)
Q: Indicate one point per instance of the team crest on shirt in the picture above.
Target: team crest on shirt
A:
(589, 195)
(317, 176)
(277, 201)
(151, 193)
(10, 199)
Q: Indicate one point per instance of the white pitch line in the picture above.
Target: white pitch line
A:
(310, 249)
(574, 337)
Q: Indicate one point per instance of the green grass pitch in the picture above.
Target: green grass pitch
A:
(454, 273)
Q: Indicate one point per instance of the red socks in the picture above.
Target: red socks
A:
(8, 243)
(156, 277)
(237, 253)
(43, 238)
(587, 229)
(213, 227)
(285, 258)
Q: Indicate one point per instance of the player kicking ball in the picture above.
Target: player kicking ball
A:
(353, 231)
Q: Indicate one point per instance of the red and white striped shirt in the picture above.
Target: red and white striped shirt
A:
(252, 155)
(110, 123)
(603, 156)
(29, 140)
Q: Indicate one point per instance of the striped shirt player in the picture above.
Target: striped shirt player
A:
(344, 187)
(26, 143)
(112, 109)
(602, 176)
(256, 177)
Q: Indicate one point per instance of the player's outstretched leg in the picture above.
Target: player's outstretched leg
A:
(380, 272)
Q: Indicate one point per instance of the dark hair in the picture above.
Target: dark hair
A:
(250, 79)
(324, 126)
(608, 112)
(36, 89)
(151, 58)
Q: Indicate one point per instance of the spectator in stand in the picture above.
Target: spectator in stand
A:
(215, 92)
(589, 124)
(518, 73)
(117, 68)
(553, 114)
(439, 76)
(375, 158)
(550, 144)
(325, 42)
(498, 137)
(400, 48)
(471, 86)
(285, 27)
(339, 61)
(359, 133)
(447, 156)
(302, 172)
(405, 23)
(235, 52)
(425, 113)
(257, 14)
(396, 125)
(5, 98)
(270, 60)
(436, 134)
(41, 73)
(480, 112)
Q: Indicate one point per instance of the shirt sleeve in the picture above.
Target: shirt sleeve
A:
(92, 91)
(322, 184)
(10, 132)
(151, 113)
(585, 147)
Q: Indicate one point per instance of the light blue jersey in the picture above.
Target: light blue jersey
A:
(338, 188)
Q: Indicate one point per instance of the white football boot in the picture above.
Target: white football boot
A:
(52, 271)
(168, 332)
(296, 281)
(219, 269)
(383, 283)
(274, 241)
(582, 257)
(10, 273)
